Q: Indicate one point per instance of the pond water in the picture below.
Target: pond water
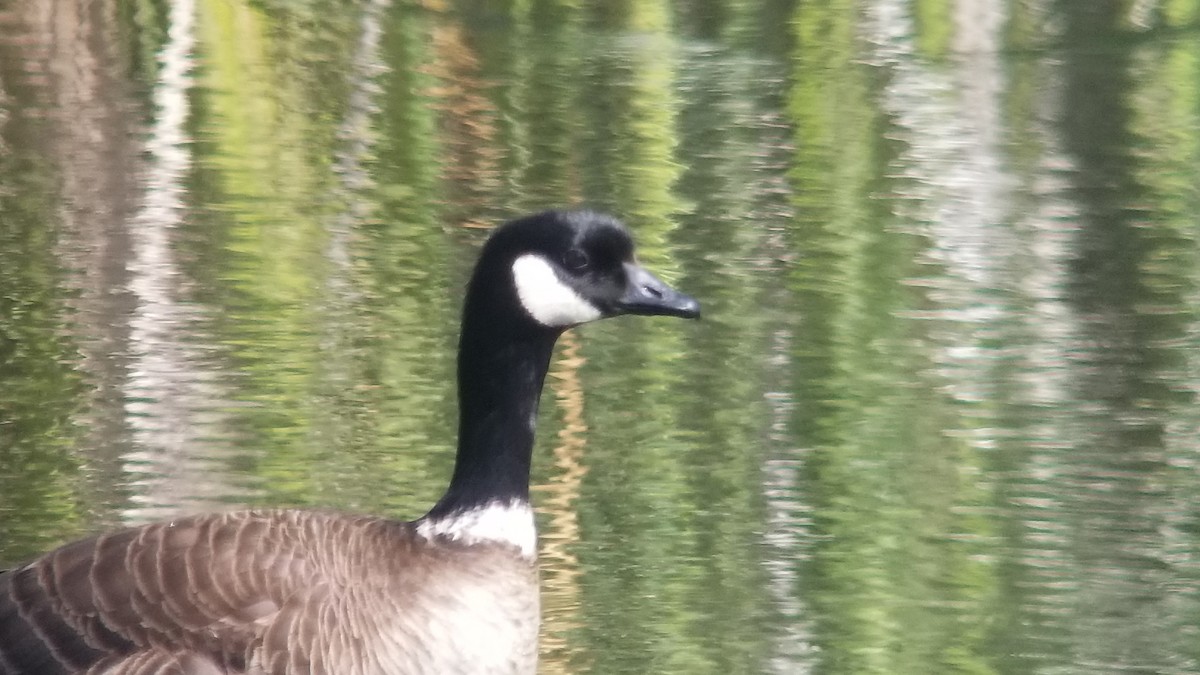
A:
(940, 415)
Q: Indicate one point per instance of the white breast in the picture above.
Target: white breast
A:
(495, 523)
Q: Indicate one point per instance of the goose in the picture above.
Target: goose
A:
(315, 592)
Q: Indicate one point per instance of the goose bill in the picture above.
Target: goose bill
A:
(646, 294)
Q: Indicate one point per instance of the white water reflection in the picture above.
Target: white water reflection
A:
(1001, 262)
(1053, 369)
(178, 461)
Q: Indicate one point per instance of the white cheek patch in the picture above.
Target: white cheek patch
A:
(547, 299)
(496, 522)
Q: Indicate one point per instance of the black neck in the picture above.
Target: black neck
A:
(501, 368)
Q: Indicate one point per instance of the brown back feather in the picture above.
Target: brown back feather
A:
(200, 590)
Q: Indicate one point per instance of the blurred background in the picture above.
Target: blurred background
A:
(940, 415)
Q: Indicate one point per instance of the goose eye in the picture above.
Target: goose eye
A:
(575, 260)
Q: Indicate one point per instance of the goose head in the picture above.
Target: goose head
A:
(565, 268)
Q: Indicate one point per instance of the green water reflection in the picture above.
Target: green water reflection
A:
(940, 415)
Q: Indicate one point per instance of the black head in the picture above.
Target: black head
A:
(564, 268)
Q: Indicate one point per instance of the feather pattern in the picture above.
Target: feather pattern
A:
(270, 592)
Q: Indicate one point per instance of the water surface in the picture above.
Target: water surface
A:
(940, 415)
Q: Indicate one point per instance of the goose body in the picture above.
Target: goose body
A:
(272, 592)
(295, 591)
